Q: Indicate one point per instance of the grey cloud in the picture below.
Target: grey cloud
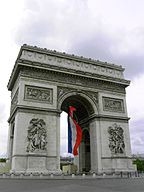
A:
(48, 21)
(133, 64)
(137, 126)
(137, 136)
(3, 154)
(34, 33)
(100, 46)
(95, 46)
(73, 27)
(2, 112)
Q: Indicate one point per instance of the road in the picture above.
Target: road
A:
(90, 185)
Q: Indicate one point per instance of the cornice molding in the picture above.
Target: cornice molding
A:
(101, 117)
(65, 63)
(30, 109)
(73, 79)
(112, 118)
(117, 157)
(68, 56)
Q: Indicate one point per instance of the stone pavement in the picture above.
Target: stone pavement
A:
(90, 185)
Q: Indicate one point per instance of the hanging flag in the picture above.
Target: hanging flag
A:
(74, 133)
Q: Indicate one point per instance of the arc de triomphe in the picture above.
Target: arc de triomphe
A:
(44, 83)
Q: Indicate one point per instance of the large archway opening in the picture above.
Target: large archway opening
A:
(64, 135)
(84, 111)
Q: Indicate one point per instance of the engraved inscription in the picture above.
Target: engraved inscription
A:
(36, 135)
(113, 105)
(39, 94)
(116, 139)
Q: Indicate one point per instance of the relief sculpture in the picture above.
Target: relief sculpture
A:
(116, 139)
(113, 105)
(89, 65)
(33, 93)
(36, 135)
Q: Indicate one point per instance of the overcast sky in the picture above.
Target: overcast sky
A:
(107, 30)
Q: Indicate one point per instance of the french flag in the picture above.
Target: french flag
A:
(74, 133)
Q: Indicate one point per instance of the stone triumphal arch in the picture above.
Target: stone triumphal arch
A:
(44, 83)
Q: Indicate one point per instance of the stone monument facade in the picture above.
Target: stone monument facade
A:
(44, 83)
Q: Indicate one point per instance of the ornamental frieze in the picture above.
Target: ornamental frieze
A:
(36, 135)
(71, 79)
(88, 65)
(116, 139)
(113, 104)
(39, 94)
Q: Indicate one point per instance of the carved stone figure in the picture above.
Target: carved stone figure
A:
(116, 139)
(36, 135)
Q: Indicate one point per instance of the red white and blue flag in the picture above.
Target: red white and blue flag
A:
(74, 133)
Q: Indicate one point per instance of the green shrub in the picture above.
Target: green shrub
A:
(2, 160)
(140, 164)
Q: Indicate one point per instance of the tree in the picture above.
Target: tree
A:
(2, 160)
(140, 164)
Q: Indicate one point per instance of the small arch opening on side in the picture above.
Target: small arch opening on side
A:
(85, 153)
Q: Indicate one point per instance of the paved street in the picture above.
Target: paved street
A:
(91, 185)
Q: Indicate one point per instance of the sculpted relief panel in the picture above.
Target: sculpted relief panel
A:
(116, 139)
(71, 79)
(38, 94)
(36, 135)
(113, 105)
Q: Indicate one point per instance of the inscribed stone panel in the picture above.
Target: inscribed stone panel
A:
(113, 105)
(38, 94)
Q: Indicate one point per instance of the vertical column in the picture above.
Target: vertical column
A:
(10, 142)
(13, 146)
(76, 161)
(82, 156)
(53, 145)
(128, 148)
(58, 140)
(99, 146)
(95, 146)
(19, 143)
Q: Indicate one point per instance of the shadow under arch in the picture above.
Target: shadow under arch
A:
(85, 106)
(85, 150)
